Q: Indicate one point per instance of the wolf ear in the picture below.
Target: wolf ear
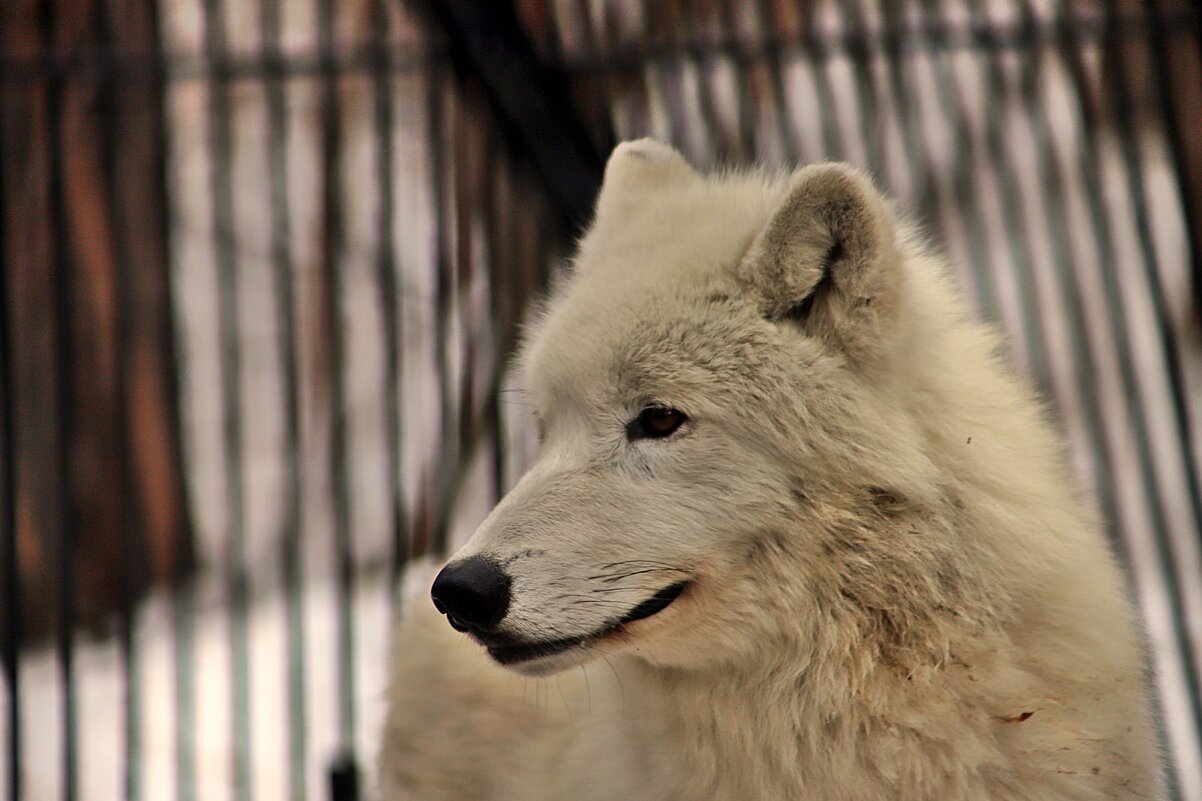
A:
(827, 259)
(635, 171)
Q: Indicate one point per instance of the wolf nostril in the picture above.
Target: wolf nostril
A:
(473, 593)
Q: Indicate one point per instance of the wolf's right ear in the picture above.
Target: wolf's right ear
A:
(827, 260)
(636, 170)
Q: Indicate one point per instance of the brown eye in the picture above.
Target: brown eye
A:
(655, 422)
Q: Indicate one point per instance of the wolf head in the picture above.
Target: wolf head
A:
(739, 392)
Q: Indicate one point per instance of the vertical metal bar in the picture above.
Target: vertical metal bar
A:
(282, 272)
(500, 296)
(331, 262)
(443, 296)
(10, 565)
(220, 143)
(183, 613)
(183, 597)
(743, 98)
(1070, 49)
(129, 536)
(466, 429)
(386, 276)
(1168, 83)
(62, 269)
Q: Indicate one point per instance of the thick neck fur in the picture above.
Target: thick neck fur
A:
(770, 732)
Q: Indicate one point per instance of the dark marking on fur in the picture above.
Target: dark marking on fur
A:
(717, 297)
(886, 501)
(968, 441)
(1019, 718)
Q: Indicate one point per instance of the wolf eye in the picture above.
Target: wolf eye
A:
(655, 422)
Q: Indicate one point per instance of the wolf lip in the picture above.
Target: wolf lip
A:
(508, 651)
(656, 603)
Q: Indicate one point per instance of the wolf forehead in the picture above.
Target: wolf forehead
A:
(654, 349)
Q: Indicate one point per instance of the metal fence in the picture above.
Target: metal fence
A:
(262, 263)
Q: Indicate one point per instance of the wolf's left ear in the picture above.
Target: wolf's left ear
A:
(827, 260)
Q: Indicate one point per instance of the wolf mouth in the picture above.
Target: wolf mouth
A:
(507, 651)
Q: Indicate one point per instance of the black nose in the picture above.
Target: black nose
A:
(473, 593)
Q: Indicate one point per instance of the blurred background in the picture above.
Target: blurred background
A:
(263, 261)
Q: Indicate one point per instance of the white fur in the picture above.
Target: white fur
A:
(896, 592)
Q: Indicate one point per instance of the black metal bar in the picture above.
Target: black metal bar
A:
(465, 263)
(743, 102)
(1167, 80)
(124, 297)
(182, 606)
(64, 363)
(332, 255)
(444, 273)
(344, 781)
(183, 617)
(387, 278)
(292, 524)
(10, 565)
(220, 144)
(500, 295)
(530, 99)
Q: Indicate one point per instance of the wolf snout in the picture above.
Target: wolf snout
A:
(473, 593)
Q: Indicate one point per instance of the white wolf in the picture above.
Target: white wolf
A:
(801, 530)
